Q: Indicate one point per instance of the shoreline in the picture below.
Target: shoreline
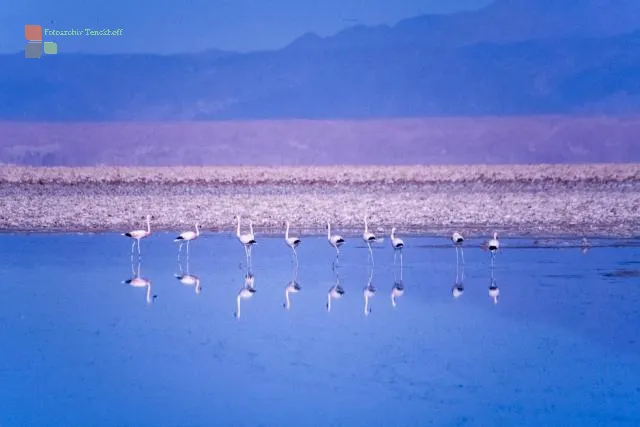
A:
(514, 200)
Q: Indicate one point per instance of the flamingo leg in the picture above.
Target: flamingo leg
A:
(395, 255)
(187, 249)
(462, 254)
(133, 244)
(138, 247)
(371, 254)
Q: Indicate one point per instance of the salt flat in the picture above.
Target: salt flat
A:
(597, 199)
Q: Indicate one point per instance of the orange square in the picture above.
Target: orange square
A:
(33, 33)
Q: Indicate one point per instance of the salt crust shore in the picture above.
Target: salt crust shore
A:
(568, 200)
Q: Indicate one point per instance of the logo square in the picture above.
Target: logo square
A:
(33, 33)
(33, 50)
(50, 48)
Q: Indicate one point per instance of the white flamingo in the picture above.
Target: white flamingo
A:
(292, 242)
(137, 281)
(368, 238)
(244, 293)
(457, 240)
(398, 245)
(336, 241)
(187, 236)
(137, 235)
(247, 240)
(493, 246)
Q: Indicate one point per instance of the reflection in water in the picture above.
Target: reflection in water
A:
(137, 281)
(494, 290)
(292, 287)
(368, 292)
(398, 286)
(189, 279)
(246, 292)
(336, 292)
(584, 245)
(458, 285)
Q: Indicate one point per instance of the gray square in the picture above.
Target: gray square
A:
(33, 50)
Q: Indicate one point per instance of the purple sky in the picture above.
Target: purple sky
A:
(173, 26)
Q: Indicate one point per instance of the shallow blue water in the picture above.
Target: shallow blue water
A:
(561, 347)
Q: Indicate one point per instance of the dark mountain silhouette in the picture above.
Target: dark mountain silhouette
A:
(514, 57)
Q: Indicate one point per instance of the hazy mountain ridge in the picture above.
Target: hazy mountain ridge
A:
(514, 57)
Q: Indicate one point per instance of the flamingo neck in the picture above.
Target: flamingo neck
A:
(329, 230)
(148, 225)
(238, 230)
(197, 229)
(366, 225)
(286, 232)
(251, 227)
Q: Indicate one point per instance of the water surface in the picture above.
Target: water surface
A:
(560, 347)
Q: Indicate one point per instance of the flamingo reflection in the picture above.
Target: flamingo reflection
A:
(398, 287)
(189, 279)
(458, 285)
(336, 292)
(368, 292)
(292, 287)
(137, 281)
(494, 290)
(246, 292)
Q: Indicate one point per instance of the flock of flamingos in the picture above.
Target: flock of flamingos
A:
(335, 240)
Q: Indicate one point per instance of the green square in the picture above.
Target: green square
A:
(50, 48)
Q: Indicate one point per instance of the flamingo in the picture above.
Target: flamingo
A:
(368, 238)
(336, 241)
(457, 240)
(137, 235)
(398, 245)
(187, 236)
(247, 240)
(292, 242)
(493, 246)
(138, 281)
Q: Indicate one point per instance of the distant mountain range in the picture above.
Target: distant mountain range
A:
(514, 57)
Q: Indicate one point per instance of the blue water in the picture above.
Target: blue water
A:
(80, 348)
